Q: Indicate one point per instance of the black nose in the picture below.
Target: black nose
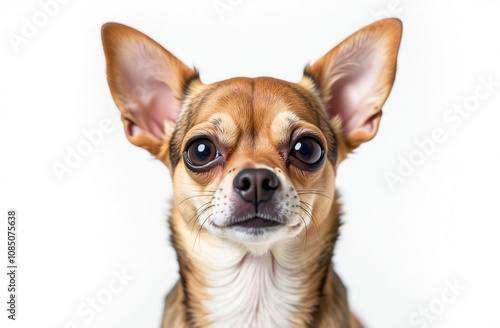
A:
(256, 185)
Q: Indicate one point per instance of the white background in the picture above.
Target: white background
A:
(398, 246)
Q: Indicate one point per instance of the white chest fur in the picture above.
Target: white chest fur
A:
(256, 292)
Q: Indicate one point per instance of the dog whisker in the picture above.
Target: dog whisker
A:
(314, 193)
(200, 195)
(197, 213)
(305, 226)
(309, 211)
(199, 231)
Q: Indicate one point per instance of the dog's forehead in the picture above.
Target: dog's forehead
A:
(254, 105)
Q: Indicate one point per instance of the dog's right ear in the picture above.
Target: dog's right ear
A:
(355, 78)
(147, 83)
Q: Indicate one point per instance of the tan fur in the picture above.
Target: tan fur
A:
(253, 119)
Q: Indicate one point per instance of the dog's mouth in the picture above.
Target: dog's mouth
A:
(256, 227)
(256, 222)
(253, 224)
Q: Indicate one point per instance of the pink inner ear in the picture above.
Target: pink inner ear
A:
(356, 95)
(160, 107)
(342, 104)
(150, 100)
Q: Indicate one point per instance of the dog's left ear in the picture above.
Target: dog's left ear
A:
(147, 83)
(355, 78)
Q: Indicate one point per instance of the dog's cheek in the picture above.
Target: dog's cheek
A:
(224, 202)
(326, 186)
(190, 197)
(286, 200)
(317, 191)
(203, 180)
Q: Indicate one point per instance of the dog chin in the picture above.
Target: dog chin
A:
(257, 240)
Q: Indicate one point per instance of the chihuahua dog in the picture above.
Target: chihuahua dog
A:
(253, 161)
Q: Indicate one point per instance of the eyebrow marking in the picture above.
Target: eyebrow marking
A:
(282, 126)
(225, 128)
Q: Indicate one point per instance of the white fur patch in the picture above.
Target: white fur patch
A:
(255, 292)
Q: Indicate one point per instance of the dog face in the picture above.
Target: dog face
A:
(252, 160)
(250, 148)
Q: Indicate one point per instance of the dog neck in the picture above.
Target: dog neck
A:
(225, 285)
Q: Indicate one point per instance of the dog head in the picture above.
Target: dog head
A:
(252, 160)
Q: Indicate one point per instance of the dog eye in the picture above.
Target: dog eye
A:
(307, 150)
(201, 152)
